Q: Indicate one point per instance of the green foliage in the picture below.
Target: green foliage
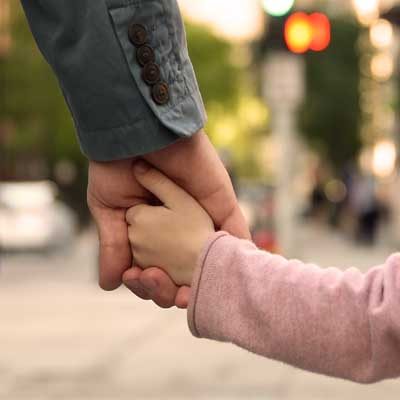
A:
(236, 117)
(218, 78)
(330, 117)
(33, 102)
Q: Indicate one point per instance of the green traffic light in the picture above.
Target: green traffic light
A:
(277, 8)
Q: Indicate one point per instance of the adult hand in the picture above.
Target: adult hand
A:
(194, 165)
(112, 189)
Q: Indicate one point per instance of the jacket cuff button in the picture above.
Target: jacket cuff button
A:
(151, 73)
(160, 93)
(137, 34)
(145, 54)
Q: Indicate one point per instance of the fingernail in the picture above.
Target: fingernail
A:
(141, 167)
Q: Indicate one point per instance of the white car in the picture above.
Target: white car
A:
(32, 219)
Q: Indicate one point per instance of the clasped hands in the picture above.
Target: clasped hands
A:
(197, 197)
(170, 235)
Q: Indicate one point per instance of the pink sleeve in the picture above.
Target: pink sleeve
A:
(342, 324)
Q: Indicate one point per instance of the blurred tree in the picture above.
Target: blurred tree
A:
(218, 78)
(32, 102)
(330, 116)
(236, 116)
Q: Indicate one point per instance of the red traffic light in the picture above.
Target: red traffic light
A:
(298, 32)
(322, 32)
(307, 32)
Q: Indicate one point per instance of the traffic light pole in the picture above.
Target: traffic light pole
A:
(283, 81)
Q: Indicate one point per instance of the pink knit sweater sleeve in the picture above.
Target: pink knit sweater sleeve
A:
(342, 324)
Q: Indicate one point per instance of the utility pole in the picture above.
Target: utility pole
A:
(283, 80)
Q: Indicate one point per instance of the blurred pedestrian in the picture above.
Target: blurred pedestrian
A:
(366, 207)
(318, 200)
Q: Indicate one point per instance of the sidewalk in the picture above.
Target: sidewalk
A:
(63, 338)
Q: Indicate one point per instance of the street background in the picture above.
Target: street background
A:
(303, 105)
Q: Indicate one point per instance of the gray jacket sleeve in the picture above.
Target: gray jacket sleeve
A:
(124, 69)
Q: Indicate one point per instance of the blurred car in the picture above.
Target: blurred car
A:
(31, 218)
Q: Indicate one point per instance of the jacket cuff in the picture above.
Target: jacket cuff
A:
(161, 33)
(138, 138)
(204, 276)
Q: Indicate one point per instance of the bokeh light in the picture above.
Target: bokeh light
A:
(335, 191)
(277, 8)
(382, 66)
(384, 158)
(367, 10)
(298, 32)
(381, 34)
(321, 31)
(236, 20)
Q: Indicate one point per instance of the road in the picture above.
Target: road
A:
(61, 337)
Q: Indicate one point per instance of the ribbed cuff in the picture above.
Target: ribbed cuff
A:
(197, 280)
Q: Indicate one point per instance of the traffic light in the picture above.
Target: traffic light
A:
(305, 32)
(298, 32)
(321, 32)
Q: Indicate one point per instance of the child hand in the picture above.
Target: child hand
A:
(170, 236)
